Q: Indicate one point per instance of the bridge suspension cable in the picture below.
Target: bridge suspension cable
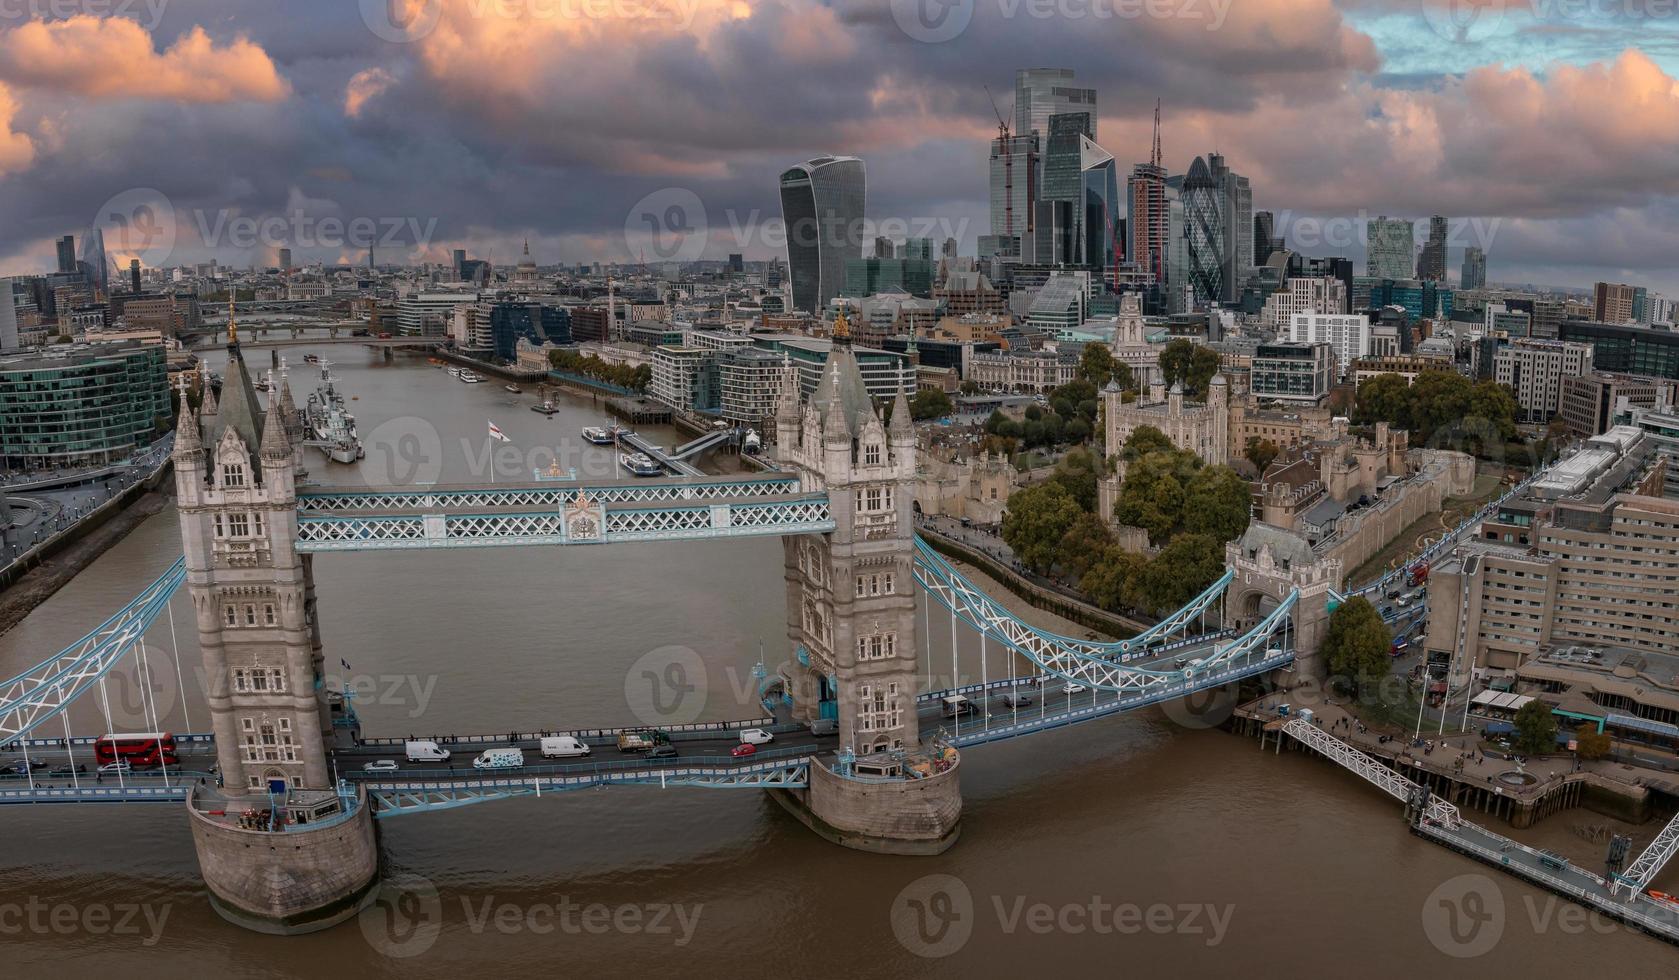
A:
(47, 689)
(1144, 644)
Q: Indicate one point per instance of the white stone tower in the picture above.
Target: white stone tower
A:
(252, 592)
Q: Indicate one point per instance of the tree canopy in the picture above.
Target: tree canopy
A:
(1356, 645)
(1097, 366)
(1442, 404)
(1536, 728)
(1037, 523)
(930, 403)
(1260, 452)
(1168, 491)
(1188, 362)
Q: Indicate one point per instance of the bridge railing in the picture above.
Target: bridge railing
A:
(692, 730)
(762, 758)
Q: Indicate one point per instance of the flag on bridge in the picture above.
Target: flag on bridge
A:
(496, 433)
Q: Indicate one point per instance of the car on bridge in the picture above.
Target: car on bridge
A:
(380, 765)
(1076, 688)
(743, 749)
(665, 751)
(756, 736)
(121, 765)
(1016, 699)
(22, 767)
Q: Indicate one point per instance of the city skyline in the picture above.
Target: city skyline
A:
(271, 121)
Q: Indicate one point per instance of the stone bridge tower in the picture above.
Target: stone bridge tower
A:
(1270, 562)
(851, 618)
(281, 850)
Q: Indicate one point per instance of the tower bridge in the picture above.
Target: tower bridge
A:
(840, 502)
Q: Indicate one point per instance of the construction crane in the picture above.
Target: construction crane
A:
(1008, 163)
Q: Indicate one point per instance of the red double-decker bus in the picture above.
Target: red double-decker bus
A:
(139, 751)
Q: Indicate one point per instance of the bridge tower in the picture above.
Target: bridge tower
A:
(851, 619)
(1270, 562)
(253, 596)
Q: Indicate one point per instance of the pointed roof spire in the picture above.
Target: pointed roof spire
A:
(207, 397)
(232, 327)
(276, 444)
(902, 423)
(835, 425)
(187, 441)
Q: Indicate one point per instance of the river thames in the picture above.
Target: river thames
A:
(1126, 846)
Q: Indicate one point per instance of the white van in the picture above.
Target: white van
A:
(957, 705)
(499, 759)
(563, 747)
(426, 750)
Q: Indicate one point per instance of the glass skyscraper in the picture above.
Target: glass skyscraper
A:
(822, 207)
(1474, 268)
(1390, 250)
(1043, 92)
(1204, 234)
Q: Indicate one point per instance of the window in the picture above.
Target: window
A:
(220, 532)
(878, 708)
(238, 526)
(871, 455)
(232, 617)
(268, 614)
(877, 646)
(233, 475)
(250, 615)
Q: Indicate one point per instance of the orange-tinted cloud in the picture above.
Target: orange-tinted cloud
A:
(365, 86)
(114, 58)
(17, 150)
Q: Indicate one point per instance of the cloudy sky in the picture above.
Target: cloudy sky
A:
(607, 129)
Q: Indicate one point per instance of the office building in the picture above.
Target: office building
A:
(1348, 334)
(1040, 93)
(1534, 370)
(430, 314)
(1204, 235)
(1431, 262)
(822, 207)
(66, 254)
(1299, 295)
(1627, 349)
(1474, 274)
(1595, 401)
(1290, 372)
(1614, 302)
(1236, 208)
(285, 260)
(1083, 177)
(1265, 238)
(1571, 560)
(94, 263)
(866, 277)
(1390, 249)
(748, 380)
(82, 404)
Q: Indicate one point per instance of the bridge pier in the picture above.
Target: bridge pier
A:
(880, 815)
(290, 881)
(390, 355)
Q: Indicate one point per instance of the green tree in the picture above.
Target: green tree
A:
(1181, 571)
(1145, 439)
(931, 403)
(1096, 364)
(1153, 494)
(1260, 452)
(1191, 363)
(1591, 743)
(1536, 728)
(1083, 545)
(1078, 472)
(1384, 398)
(970, 388)
(1218, 503)
(1356, 645)
(1037, 520)
(1078, 431)
(1108, 581)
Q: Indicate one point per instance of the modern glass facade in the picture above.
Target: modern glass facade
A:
(1040, 93)
(84, 405)
(1390, 249)
(1293, 372)
(866, 277)
(1204, 238)
(539, 323)
(822, 206)
(1627, 349)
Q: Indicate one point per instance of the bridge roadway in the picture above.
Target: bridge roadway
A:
(704, 757)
